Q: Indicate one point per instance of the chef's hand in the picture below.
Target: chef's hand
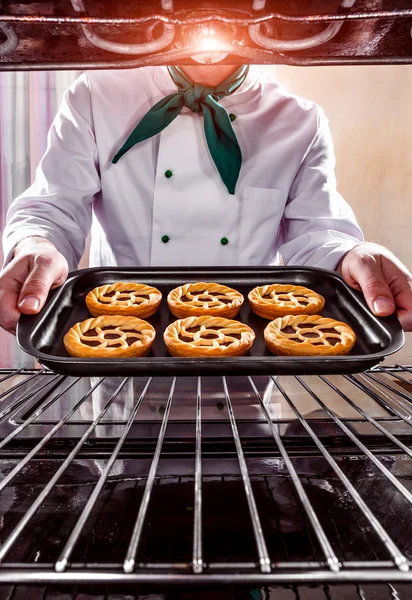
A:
(385, 282)
(36, 268)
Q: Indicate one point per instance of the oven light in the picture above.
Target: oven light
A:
(207, 39)
(211, 41)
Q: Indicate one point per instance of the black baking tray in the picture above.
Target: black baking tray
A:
(42, 335)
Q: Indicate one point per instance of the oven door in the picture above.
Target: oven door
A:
(101, 34)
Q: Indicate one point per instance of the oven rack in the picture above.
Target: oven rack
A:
(30, 443)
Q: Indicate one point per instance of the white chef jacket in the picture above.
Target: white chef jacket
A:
(286, 203)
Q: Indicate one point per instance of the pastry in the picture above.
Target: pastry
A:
(196, 299)
(277, 300)
(308, 335)
(208, 336)
(128, 299)
(110, 337)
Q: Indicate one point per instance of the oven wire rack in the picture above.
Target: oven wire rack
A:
(24, 404)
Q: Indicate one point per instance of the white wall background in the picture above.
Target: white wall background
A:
(370, 114)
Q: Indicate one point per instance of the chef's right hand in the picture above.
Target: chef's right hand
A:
(36, 268)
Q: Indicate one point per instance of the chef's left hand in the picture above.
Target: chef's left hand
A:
(385, 282)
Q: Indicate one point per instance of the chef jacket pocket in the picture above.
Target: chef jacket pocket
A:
(261, 215)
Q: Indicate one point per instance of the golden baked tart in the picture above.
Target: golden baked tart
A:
(277, 300)
(309, 335)
(110, 337)
(127, 299)
(196, 299)
(208, 336)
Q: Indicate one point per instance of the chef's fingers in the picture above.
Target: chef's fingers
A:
(405, 314)
(48, 270)
(366, 273)
(27, 279)
(10, 285)
(402, 291)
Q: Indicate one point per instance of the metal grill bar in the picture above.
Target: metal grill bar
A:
(398, 557)
(403, 368)
(331, 558)
(375, 396)
(397, 376)
(18, 385)
(43, 407)
(12, 374)
(130, 559)
(381, 428)
(312, 564)
(26, 396)
(402, 489)
(8, 543)
(192, 20)
(403, 395)
(264, 559)
(40, 445)
(64, 557)
(197, 524)
(109, 578)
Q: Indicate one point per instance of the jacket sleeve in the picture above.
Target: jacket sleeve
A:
(318, 226)
(58, 205)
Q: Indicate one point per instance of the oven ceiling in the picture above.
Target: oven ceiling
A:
(67, 34)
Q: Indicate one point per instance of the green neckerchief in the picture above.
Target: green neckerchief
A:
(221, 139)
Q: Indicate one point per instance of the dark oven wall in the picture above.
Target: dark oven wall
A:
(80, 34)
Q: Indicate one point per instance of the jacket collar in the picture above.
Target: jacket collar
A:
(253, 81)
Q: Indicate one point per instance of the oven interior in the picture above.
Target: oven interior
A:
(271, 483)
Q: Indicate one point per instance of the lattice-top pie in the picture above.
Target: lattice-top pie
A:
(127, 299)
(277, 300)
(208, 336)
(110, 337)
(196, 299)
(309, 335)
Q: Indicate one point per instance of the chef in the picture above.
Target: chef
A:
(194, 165)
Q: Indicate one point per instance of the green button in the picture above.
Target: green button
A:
(165, 239)
(168, 173)
(232, 117)
(224, 241)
